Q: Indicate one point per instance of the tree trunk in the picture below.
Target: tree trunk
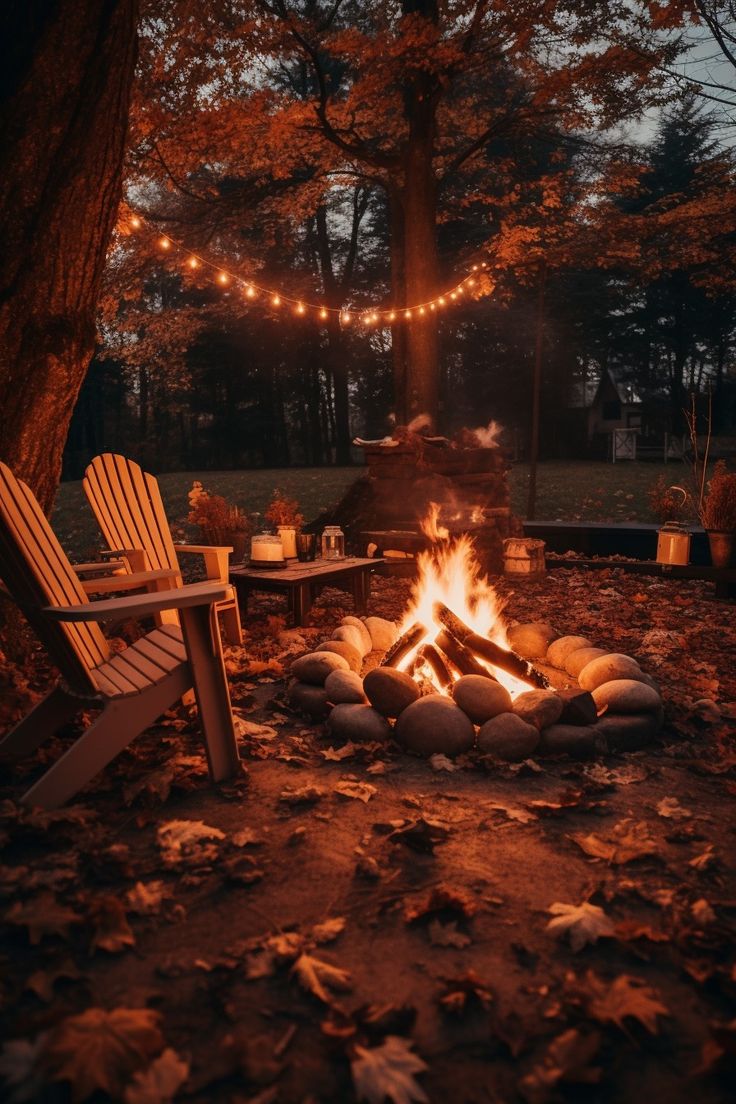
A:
(531, 502)
(398, 298)
(67, 76)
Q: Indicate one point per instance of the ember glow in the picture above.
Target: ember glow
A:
(449, 572)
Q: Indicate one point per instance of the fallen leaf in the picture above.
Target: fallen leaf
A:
(156, 783)
(702, 913)
(254, 731)
(387, 1073)
(336, 755)
(187, 841)
(671, 807)
(447, 935)
(328, 930)
(363, 791)
(303, 795)
(628, 841)
(567, 1059)
(440, 899)
(460, 992)
(314, 975)
(440, 762)
(146, 898)
(581, 924)
(111, 930)
(42, 982)
(625, 998)
(42, 916)
(160, 1082)
(420, 835)
(102, 1050)
(705, 859)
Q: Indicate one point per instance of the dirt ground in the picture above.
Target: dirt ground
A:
(347, 924)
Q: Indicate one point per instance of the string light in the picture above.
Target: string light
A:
(251, 290)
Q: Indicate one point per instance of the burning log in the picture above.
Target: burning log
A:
(500, 657)
(428, 654)
(403, 645)
(459, 655)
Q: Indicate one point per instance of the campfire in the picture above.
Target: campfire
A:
(453, 676)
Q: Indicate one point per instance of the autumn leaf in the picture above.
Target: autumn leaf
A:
(42, 916)
(581, 924)
(421, 834)
(146, 898)
(42, 982)
(387, 1073)
(363, 791)
(567, 1059)
(99, 1050)
(328, 930)
(314, 975)
(628, 841)
(303, 795)
(336, 755)
(112, 931)
(460, 992)
(160, 1082)
(187, 841)
(440, 762)
(156, 783)
(440, 899)
(625, 998)
(670, 807)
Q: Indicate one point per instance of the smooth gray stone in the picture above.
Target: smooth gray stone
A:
(481, 698)
(630, 732)
(561, 648)
(383, 633)
(351, 635)
(365, 636)
(540, 708)
(531, 640)
(577, 741)
(347, 651)
(390, 691)
(581, 658)
(358, 722)
(608, 667)
(434, 724)
(316, 666)
(578, 707)
(345, 688)
(626, 696)
(508, 737)
(309, 699)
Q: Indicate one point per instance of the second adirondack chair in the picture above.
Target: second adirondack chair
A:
(130, 513)
(133, 687)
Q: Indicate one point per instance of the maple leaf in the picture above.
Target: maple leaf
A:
(625, 998)
(255, 731)
(363, 791)
(112, 931)
(156, 783)
(582, 924)
(628, 841)
(335, 755)
(442, 898)
(567, 1058)
(185, 840)
(328, 930)
(387, 1073)
(102, 1050)
(314, 974)
(440, 762)
(160, 1082)
(303, 795)
(146, 898)
(670, 807)
(447, 935)
(42, 915)
(421, 834)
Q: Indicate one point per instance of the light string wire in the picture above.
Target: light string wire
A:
(367, 316)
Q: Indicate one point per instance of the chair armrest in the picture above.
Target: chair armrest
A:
(135, 580)
(138, 605)
(97, 567)
(216, 562)
(119, 553)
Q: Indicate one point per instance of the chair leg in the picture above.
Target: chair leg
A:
(121, 720)
(44, 719)
(228, 611)
(202, 639)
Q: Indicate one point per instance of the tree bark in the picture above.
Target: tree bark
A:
(67, 73)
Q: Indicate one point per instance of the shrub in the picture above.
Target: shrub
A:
(719, 505)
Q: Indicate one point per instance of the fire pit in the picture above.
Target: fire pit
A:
(452, 675)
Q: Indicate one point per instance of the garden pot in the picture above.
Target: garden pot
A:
(721, 546)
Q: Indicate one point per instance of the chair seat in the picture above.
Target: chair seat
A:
(146, 663)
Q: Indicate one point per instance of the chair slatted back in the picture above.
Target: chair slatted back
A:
(129, 509)
(37, 573)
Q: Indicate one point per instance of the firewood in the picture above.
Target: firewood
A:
(502, 658)
(459, 655)
(429, 655)
(404, 645)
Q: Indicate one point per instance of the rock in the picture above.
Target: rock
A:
(629, 732)
(316, 666)
(531, 640)
(345, 687)
(390, 691)
(365, 636)
(561, 648)
(626, 696)
(383, 632)
(508, 737)
(351, 636)
(540, 708)
(358, 722)
(433, 725)
(578, 707)
(581, 658)
(481, 698)
(309, 699)
(347, 651)
(578, 741)
(606, 668)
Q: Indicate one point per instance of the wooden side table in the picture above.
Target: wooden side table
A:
(301, 582)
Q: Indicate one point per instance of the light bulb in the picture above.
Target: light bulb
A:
(164, 243)
(475, 268)
(345, 317)
(323, 313)
(433, 306)
(453, 295)
(407, 314)
(442, 300)
(422, 310)
(250, 291)
(223, 278)
(276, 301)
(193, 262)
(470, 281)
(392, 316)
(135, 222)
(300, 308)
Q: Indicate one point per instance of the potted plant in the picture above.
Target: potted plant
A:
(284, 515)
(718, 514)
(219, 521)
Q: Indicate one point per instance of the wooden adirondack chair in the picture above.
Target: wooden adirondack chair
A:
(130, 513)
(133, 687)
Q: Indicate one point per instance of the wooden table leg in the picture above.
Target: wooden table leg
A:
(361, 589)
(300, 602)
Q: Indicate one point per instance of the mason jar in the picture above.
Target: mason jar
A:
(333, 543)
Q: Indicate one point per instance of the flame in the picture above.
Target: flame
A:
(449, 572)
(430, 527)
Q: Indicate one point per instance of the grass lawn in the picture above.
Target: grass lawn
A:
(566, 489)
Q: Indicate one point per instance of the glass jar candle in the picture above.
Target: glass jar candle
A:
(333, 543)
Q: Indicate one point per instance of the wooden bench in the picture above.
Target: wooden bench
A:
(302, 581)
(723, 577)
